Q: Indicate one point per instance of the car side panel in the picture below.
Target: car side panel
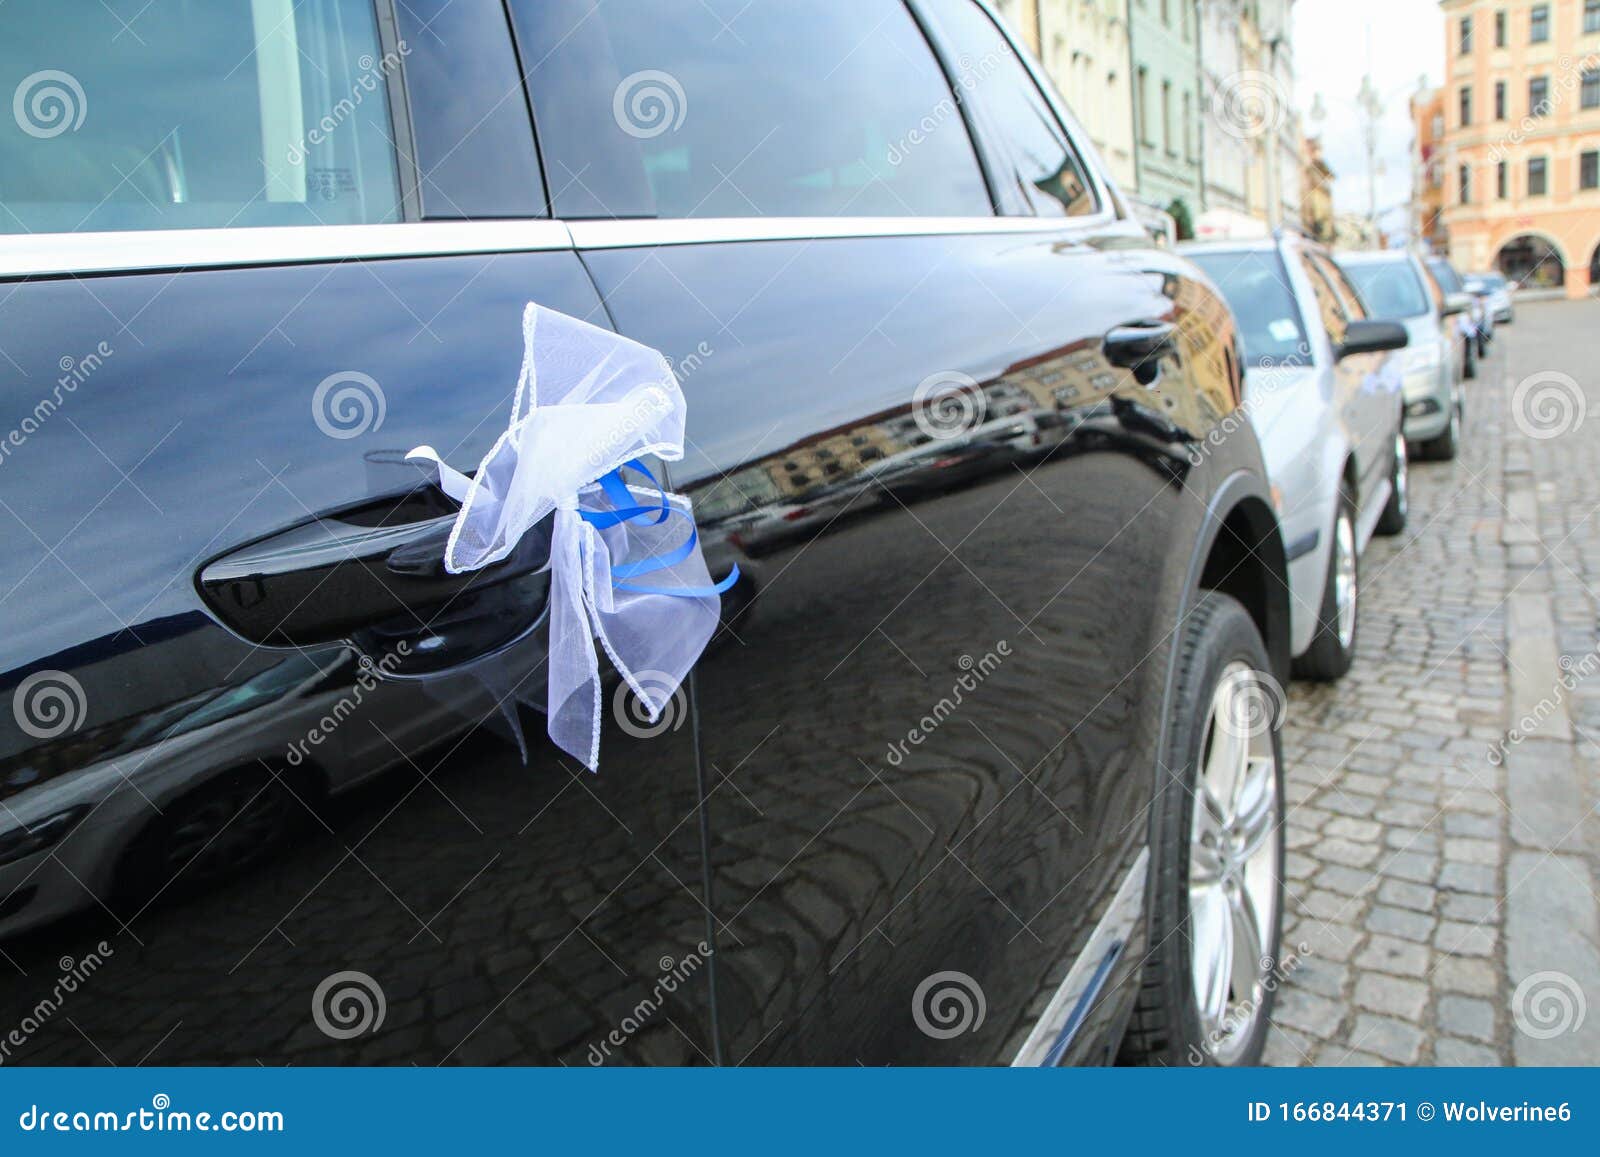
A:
(507, 911)
(931, 724)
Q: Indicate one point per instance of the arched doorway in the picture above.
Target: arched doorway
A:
(1531, 262)
(1594, 269)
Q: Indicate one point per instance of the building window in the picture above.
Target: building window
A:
(1500, 26)
(1501, 180)
(1142, 105)
(1539, 24)
(1183, 15)
(1589, 92)
(1188, 134)
(1591, 16)
(1466, 36)
(1166, 118)
(1538, 96)
(1536, 176)
(1166, 14)
(1466, 105)
(1464, 183)
(1499, 100)
(1589, 170)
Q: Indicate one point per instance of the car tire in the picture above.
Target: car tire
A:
(1333, 647)
(1469, 364)
(1395, 511)
(1213, 858)
(1445, 446)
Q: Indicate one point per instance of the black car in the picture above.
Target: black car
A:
(982, 765)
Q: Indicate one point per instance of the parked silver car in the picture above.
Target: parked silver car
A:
(1495, 291)
(1395, 286)
(1324, 397)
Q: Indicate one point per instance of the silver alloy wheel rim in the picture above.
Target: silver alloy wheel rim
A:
(1233, 862)
(1344, 579)
(1401, 473)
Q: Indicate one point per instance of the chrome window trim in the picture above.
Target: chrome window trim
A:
(713, 230)
(45, 254)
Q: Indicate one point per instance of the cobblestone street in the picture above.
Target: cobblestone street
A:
(1442, 831)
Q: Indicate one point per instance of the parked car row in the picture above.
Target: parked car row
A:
(1034, 518)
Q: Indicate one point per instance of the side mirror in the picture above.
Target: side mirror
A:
(1373, 337)
(1455, 303)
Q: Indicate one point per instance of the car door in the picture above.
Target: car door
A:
(260, 759)
(1357, 399)
(1383, 381)
(929, 722)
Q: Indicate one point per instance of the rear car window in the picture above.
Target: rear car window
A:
(1391, 289)
(732, 109)
(1043, 162)
(173, 114)
(1256, 287)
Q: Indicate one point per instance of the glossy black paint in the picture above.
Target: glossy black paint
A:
(863, 832)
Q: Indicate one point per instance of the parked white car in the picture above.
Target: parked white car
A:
(1324, 397)
(1394, 286)
(1495, 291)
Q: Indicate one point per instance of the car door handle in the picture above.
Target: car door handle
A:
(1139, 346)
(321, 579)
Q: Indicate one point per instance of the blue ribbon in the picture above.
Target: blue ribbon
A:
(627, 509)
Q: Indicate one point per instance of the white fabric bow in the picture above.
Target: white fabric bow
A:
(589, 402)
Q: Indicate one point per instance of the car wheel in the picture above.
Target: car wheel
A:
(1444, 447)
(1216, 896)
(1469, 364)
(1393, 519)
(1334, 645)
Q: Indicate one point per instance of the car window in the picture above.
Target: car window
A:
(1328, 306)
(733, 109)
(1045, 165)
(1256, 287)
(265, 112)
(1391, 289)
(1349, 299)
(1445, 275)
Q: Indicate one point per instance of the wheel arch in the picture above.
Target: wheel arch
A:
(1241, 554)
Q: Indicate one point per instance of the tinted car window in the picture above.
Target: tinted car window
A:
(1444, 273)
(733, 109)
(1256, 287)
(1390, 288)
(206, 115)
(1045, 166)
(1328, 304)
(1349, 299)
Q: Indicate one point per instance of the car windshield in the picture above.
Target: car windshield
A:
(1391, 289)
(1257, 288)
(1486, 282)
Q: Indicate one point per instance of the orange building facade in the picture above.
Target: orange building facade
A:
(1519, 158)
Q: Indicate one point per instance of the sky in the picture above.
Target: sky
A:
(1333, 43)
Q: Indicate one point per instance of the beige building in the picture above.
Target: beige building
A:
(1023, 16)
(1084, 47)
(1521, 146)
(1427, 169)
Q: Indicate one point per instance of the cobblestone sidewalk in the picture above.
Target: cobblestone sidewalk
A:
(1442, 833)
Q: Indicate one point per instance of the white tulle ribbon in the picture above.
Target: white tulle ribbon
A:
(625, 565)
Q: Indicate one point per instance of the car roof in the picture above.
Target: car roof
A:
(1241, 245)
(1374, 256)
